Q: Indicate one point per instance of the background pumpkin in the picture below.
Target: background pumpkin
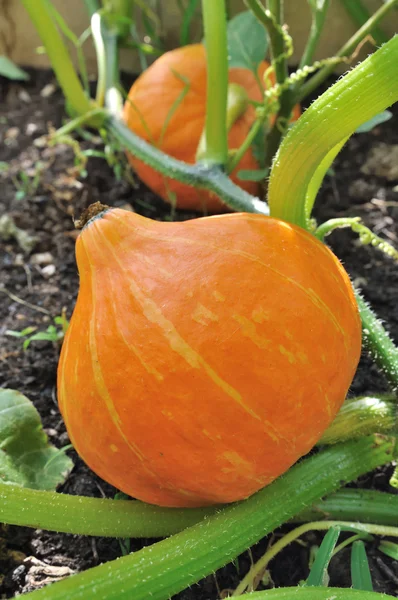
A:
(163, 110)
(183, 384)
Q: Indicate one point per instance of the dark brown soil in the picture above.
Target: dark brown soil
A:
(35, 288)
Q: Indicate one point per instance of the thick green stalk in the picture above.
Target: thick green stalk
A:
(209, 178)
(362, 416)
(318, 13)
(92, 516)
(165, 568)
(360, 14)
(365, 91)
(58, 54)
(378, 343)
(215, 34)
(366, 506)
(347, 49)
(237, 103)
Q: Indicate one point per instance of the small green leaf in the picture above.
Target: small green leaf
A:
(319, 571)
(389, 549)
(376, 120)
(19, 334)
(11, 71)
(26, 457)
(250, 175)
(247, 41)
(360, 573)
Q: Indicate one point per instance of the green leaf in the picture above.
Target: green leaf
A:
(389, 549)
(20, 334)
(319, 571)
(26, 457)
(11, 71)
(247, 41)
(374, 121)
(360, 573)
(250, 175)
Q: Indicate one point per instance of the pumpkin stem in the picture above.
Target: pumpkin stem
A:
(237, 103)
(89, 213)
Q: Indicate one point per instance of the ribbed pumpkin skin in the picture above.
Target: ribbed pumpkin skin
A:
(204, 357)
(149, 106)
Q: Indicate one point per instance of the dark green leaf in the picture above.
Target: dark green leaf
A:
(389, 549)
(247, 41)
(249, 175)
(376, 120)
(26, 457)
(319, 571)
(11, 71)
(360, 573)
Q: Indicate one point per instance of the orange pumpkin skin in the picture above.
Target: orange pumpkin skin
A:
(150, 105)
(204, 357)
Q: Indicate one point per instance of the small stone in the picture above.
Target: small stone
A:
(51, 432)
(24, 96)
(48, 90)
(31, 128)
(48, 271)
(12, 133)
(42, 258)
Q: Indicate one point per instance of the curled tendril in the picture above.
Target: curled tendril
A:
(366, 236)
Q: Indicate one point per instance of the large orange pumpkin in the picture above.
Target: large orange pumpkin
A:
(166, 106)
(204, 357)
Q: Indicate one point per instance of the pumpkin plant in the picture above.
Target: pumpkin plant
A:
(167, 107)
(162, 337)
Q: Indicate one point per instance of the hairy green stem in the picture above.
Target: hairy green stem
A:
(318, 16)
(92, 516)
(215, 34)
(58, 54)
(378, 342)
(209, 178)
(362, 93)
(165, 568)
(347, 49)
(360, 15)
(367, 506)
